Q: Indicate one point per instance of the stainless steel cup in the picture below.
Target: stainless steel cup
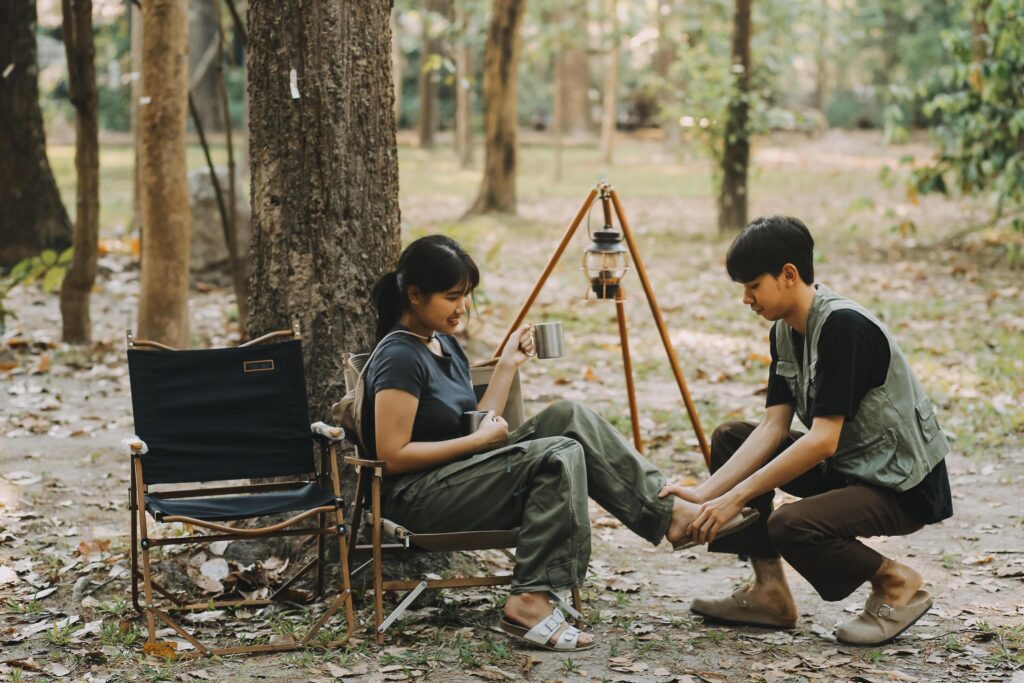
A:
(471, 421)
(548, 340)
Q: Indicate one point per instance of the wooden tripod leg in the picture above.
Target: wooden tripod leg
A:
(627, 364)
(652, 301)
(552, 262)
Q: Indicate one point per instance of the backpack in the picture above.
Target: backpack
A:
(348, 412)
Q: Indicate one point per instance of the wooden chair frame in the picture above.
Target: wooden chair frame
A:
(368, 490)
(328, 439)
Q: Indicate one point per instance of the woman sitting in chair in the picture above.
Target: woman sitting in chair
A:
(536, 478)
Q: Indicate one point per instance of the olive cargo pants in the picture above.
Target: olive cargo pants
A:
(539, 482)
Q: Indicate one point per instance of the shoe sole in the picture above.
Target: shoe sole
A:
(724, 531)
(892, 637)
(736, 622)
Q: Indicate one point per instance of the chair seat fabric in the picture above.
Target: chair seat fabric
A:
(224, 508)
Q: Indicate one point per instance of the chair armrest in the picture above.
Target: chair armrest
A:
(363, 462)
(326, 432)
(133, 445)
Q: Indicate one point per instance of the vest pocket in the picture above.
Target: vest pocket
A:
(926, 419)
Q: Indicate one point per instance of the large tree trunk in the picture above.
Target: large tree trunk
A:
(166, 215)
(463, 91)
(732, 197)
(32, 217)
(501, 59)
(611, 76)
(319, 244)
(429, 47)
(203, 29)
(78, 282)
(397, 63)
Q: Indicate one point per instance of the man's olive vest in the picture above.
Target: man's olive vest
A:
(895, 439)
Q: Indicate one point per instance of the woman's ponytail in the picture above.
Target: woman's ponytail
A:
(387, 298)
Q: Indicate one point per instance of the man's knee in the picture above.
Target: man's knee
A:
(725, 441)
(787, 529)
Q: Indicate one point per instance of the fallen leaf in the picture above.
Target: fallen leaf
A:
(163, 649)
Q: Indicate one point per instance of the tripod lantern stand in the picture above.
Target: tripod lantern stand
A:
(605, 262)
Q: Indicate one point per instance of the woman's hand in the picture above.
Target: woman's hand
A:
(518, 348)
(493, 432)
(712, 515)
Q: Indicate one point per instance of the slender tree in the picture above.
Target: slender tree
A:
(81, 274)
(32, 217)
(166, 216)
(611, 76)
(463, 88)
(325, 214)
(732, 196)
(203, 30)
(498, 186)
(430, 49)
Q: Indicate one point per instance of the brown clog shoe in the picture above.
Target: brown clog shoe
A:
(739, 610)
(880, 623)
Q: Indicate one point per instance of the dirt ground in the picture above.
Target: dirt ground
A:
(955, 306)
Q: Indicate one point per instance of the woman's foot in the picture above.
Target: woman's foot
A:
(529, 609)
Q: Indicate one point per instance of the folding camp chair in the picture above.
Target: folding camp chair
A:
(401, 539)
(229, 414)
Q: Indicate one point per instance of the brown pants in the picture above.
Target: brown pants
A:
(818, 534)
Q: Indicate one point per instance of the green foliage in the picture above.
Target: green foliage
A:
(979, 113)
(48, 269)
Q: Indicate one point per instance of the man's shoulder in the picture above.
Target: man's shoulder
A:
(849, 320)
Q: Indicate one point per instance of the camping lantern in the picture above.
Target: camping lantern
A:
(605, 262)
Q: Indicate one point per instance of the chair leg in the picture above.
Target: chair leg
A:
(321, 547)
(134, 546)
(378, 570)
(577, 602)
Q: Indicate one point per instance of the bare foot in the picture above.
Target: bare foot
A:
(683, 512)
(895, 584)
(529, 609)
(770, 588)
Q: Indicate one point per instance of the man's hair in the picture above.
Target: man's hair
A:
(766, 245)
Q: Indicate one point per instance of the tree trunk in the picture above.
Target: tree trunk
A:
(166, 215)
(203, 23)
(664, 58)
(611, 74)
(81, 274)
(136, 88)
(397, 65)
(319, 245)
(32, 217)
(821, 59)
(732, 197)
(576, 91)
(501, 59)
(463, 92)
(558, 118)
(428, 78)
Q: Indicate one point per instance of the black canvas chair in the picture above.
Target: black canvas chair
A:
(223, 415)
(390, 538)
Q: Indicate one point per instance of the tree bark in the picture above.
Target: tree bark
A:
(325, 213)
(166, 215)
(203, 25)
(32, 217)
(611, 74)
(501, 58)
(732, 197)
(397, 65)
(463, 92)
(81, 274)
(428, 78)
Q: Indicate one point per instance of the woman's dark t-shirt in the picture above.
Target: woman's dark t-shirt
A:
(853, 358)
(442, 384)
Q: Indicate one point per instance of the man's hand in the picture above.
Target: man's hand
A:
(690, 493)
(712, 516)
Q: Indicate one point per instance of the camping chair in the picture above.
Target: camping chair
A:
(403, 540)
(231, 414)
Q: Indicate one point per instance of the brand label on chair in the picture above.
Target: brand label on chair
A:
(258, 365)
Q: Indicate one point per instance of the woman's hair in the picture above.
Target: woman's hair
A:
(766, 245)
(432, 264)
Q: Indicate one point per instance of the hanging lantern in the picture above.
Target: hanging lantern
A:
(605, 262)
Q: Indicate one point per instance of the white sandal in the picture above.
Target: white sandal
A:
(540, 635)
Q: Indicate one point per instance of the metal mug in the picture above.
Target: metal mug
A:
(471, 421)
(548, 340)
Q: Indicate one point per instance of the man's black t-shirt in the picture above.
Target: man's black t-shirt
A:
(853, 358)
(442, 384)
